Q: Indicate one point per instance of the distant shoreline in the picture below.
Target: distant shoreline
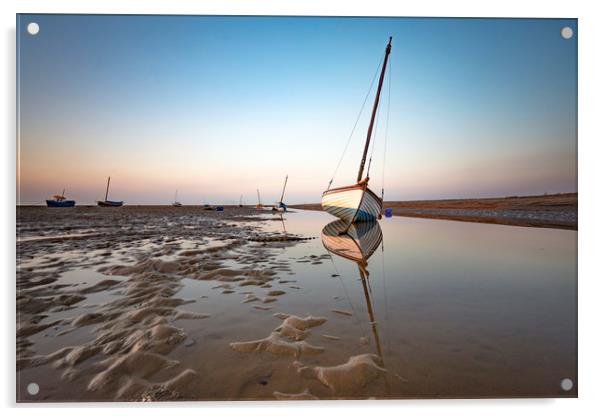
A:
(547, 211)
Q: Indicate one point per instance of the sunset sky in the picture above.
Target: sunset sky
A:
(219, 106)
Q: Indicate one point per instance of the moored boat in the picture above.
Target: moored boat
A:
(106, 202)
(259, 204)
(281, 206)
(175, 201)
(60, 201)
(357, 202)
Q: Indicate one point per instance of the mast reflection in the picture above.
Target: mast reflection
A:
(356, 243)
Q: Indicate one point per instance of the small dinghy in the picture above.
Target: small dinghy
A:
(281, 206)
(357, 203)
(106, 202)
(59, 201)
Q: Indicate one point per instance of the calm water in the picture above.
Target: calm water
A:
(453, 309)
(461, 309)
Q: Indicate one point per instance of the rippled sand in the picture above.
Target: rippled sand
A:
(101, 309)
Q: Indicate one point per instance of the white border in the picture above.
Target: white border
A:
(590, 277)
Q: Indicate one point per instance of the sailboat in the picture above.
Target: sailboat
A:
(175, 201)
(259, 204)
(281, 206)
(106, 202)
(356, 203)
(60, 201)
(240, 205)
(357, 242)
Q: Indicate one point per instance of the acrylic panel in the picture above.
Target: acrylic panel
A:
(283, 208)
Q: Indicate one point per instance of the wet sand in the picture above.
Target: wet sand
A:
(111, 302)
(548, 211)
(163, 303)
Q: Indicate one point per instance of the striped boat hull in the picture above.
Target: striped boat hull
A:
(355, 203)
(356, 242)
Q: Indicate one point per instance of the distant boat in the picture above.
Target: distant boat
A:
(175, 201)
(259, 204)
(281, 206)
(240, 205)
(356, 203)
(59, 201)
(106, 202)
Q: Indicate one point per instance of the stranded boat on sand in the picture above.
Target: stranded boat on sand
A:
(59, 201)
(259, 204)
(281, 206)
(356, 203)
(175, 201)
(106, 202)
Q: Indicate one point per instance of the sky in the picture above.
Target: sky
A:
(216, 107)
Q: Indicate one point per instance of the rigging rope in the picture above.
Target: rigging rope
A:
(355, 125)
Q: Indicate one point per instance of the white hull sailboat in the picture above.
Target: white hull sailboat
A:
(357, 203)
(353, 203)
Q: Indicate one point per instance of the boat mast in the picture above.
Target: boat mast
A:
(283, 189)
(176, 196)
(380, 85)
(107, 193)
(258, 198)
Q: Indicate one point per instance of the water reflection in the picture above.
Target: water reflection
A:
(357, 243)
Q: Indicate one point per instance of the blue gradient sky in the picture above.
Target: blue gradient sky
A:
(219, 106)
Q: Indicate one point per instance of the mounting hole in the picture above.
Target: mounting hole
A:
(33, 389)
(566, 32)
(33, 28)
(566, 384)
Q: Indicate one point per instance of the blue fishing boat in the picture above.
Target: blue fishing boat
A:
(106, 202)
(59, 201)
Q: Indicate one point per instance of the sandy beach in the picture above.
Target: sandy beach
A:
(549, 211)
(163, 303)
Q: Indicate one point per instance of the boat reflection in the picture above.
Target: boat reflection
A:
(356, 243)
